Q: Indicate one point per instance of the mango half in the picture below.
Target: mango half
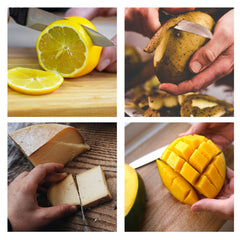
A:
(174, 48)
(135, 197)
(192, 165)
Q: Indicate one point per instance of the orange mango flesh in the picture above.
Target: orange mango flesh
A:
(190, 165)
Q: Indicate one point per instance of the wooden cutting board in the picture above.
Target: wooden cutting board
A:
(102, 139)
(93, 95)
(163, 212)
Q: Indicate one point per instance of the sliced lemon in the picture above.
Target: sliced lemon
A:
(66, 48)
(32, 81)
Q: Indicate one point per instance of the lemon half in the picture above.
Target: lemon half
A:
(65, 47)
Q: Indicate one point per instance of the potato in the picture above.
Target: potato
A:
(174, 48)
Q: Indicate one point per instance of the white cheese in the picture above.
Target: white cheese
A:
(64, 192)
(92, 187)
(45, 143)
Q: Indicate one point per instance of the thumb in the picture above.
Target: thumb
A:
(51, 214)
(222, 208)
(208, 53)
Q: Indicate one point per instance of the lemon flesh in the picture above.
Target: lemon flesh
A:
(64, 47)
(32, 81)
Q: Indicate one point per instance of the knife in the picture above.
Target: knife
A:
(195, 28)
(81, 207)
(38, 19)
(83, 216)
(148, 158)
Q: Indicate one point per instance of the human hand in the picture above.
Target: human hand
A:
(24, 213)
(221, 134)
(142, 20)
(108, 58)
(178, 10)
(212, 62)
(223, 205)
(91, 13)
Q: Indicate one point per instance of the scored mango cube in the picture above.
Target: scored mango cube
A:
(194, 140)
(219, 163)
(184, 150)
(189, 173)
(198, 160)
(213, 175)
(166, 154)
(175, 161)
(209, 150)
(206, 188)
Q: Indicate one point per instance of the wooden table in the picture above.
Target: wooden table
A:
(163, 212)
(92, 95)
(102, 140)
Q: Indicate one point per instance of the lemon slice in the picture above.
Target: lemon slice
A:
(32, 81)
(66, 48)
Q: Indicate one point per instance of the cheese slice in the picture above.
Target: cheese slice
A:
(64, 192)
(45, 143)
(92, 187)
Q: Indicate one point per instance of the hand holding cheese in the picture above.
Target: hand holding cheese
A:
(24, 213)
(91, 189)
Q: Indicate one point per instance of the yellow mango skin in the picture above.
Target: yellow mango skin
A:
(190, 165)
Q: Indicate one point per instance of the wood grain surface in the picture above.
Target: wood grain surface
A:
(102, 140)
(163, 212)
(94, 94)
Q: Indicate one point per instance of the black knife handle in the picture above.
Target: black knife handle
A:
(19, 15)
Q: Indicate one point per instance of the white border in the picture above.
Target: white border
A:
(120, 119)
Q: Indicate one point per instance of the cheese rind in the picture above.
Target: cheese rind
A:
(92, 187)
(45, 143)
(64, 192)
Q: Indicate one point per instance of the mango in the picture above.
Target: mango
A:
(174, 48)
(192, 166)
(135, 197)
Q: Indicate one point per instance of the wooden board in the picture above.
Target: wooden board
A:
(102, 140)
(88, 96)
(163, 212)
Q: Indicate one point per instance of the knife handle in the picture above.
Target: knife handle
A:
(19, 15)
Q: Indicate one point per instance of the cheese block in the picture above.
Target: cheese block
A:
(45, 143)
(64, 192)
(92, 187)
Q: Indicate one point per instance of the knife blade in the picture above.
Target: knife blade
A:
(81, 207)
(39, 19)
(83, 216)
(195, 28)
(148, 158)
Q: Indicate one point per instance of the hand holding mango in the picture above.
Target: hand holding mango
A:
(219, 133)
(222, 135)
